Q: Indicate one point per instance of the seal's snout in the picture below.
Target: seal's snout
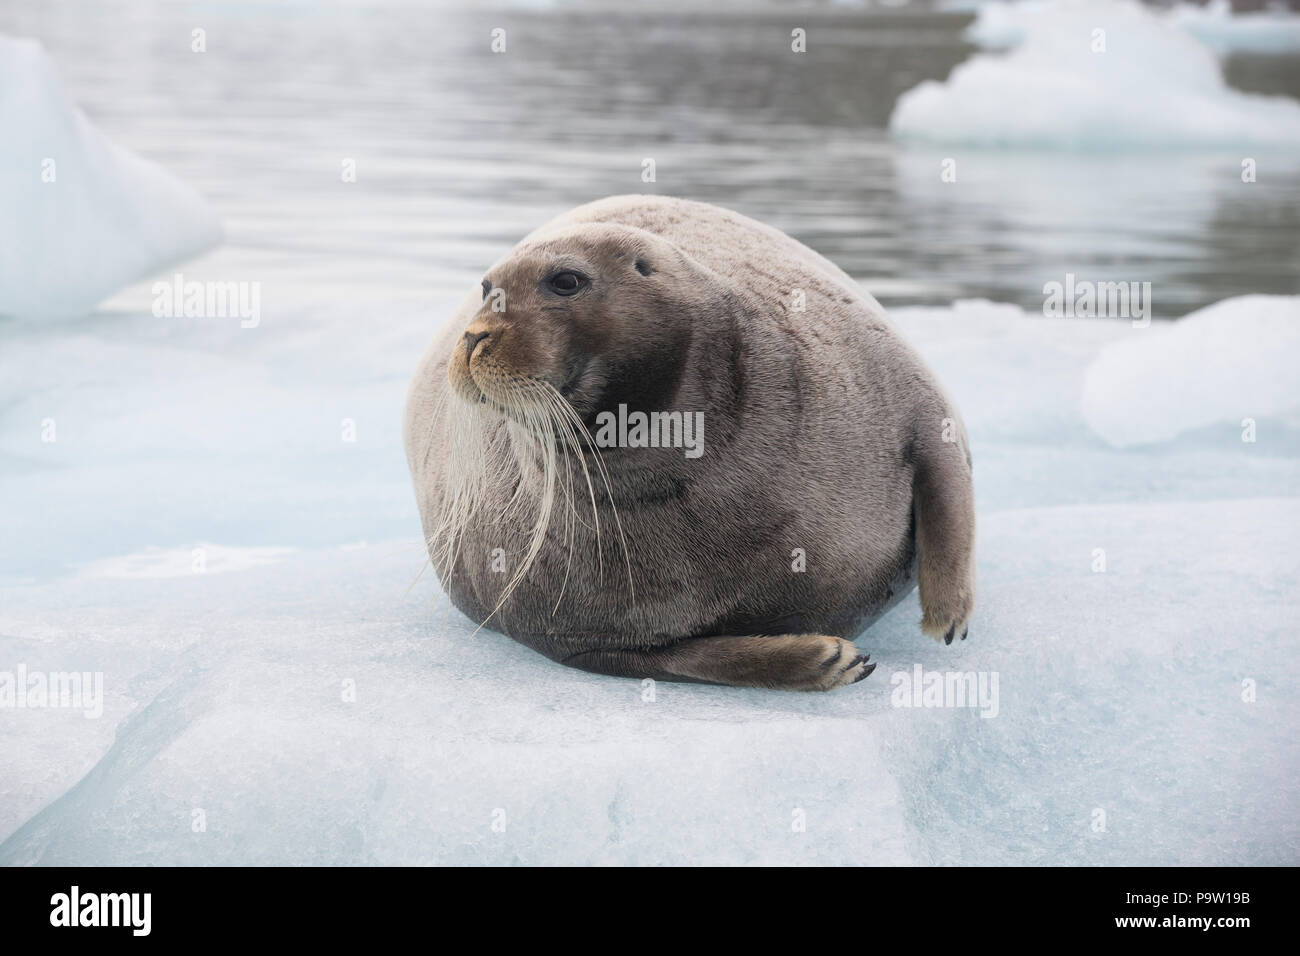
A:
(472, 339)
(472, 368)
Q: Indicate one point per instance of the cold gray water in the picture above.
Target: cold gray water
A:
(459, 151)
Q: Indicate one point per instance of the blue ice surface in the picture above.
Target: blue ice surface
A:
(301, 702)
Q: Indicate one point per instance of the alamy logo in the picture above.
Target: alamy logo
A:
(102, 909)
(651, 430)
(1084, 299)
(208, 300)
(22, 689)
(946, 689)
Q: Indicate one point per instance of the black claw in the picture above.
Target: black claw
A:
(865, 671)
(947, 638)
(963, 633)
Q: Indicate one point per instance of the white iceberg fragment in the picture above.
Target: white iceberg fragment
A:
(1000, 24)
(1273, 30)
(1096, 75)
(1229, 362)
(79, 216)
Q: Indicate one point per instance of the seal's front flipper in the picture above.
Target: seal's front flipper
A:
(777, 662)
(943, 497)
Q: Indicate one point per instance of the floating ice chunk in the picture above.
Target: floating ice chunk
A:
(1095, 75)
(1254, 31)
(960, 6)
(1225, 363)
(1000, 24)
(81, 217)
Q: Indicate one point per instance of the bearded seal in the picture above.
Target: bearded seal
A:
(836, 474)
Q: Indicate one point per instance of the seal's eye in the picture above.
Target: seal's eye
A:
(487, 287)
(566, 283)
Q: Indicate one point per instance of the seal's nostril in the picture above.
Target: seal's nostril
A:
(472, 339)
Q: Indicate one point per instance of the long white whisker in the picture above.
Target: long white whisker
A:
(604, 474)
(525, 434)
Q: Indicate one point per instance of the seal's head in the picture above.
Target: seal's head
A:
(578, 319)
(595, 314)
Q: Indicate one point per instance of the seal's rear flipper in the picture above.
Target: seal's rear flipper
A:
(943, 497)
(777, 662)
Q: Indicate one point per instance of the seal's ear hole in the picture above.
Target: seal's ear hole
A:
(643, 267)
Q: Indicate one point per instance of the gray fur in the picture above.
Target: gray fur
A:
(824, 432)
